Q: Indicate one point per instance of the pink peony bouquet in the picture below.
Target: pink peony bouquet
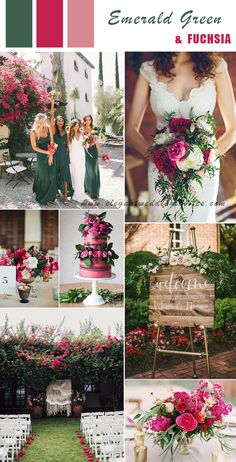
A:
(183, 416)
(29, 263)
(183, 153)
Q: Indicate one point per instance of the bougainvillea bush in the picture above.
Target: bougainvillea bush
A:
(38, 361)
(22, 93)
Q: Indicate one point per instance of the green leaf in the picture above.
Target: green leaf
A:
(87, 262)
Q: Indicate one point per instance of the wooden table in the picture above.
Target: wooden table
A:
(87, 285)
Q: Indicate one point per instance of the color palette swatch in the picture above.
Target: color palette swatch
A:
(19, 23)
(49, 23)
(80, 23)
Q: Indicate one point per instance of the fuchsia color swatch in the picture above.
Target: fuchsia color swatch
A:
(81, 23)
(49, 23)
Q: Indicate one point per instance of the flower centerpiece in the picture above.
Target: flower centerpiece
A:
(177, 420)
(184, 151)
(29, 264)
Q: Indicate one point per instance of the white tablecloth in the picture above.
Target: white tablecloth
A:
(200, 450)
(43, 300)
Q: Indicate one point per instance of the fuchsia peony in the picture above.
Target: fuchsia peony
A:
(187, 422)
(177, 151)
(159, 424)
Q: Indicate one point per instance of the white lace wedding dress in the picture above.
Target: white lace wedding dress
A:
(163, 102)
(77, 169)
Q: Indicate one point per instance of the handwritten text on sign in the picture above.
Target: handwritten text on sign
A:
(181, 296)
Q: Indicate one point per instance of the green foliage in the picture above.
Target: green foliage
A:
(136, 313)
(137, 287)
(61, 86)
(225, 312)
(106, 100)
(100, 71)
(221, 272)
(74, 95)
(117, 118)
(117, 72)
(18, 139)
(78, 295)
(227, 241)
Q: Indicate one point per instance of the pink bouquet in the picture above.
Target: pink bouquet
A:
(183, 416)
(183, 153)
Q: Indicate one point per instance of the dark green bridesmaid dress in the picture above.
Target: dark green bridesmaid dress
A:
(63, 164)
(92, 173)
(45, 181)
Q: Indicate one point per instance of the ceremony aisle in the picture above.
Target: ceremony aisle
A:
(55, 441)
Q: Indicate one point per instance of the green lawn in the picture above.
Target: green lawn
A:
(56, 441)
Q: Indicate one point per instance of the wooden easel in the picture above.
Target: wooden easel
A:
(192, 353)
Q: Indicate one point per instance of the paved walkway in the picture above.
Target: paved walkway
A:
(223, 366)
(111, 193)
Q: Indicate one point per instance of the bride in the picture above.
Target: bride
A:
(77, 160)
(178, 83)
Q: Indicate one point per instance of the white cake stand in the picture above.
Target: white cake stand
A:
(94, 299)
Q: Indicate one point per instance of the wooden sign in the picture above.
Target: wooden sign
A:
(181, 296)
(7, 280)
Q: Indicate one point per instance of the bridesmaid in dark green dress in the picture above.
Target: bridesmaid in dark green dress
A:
(45, 184)
(92, 174)
(64, 182)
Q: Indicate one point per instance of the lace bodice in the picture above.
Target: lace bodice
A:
(202, 99)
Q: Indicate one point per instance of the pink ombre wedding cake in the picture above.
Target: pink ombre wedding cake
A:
(96, 255)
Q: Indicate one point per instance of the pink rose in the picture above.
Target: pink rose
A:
(104, 254)
(95, 254)
(177, 151)
(84, 254)
(187, 422)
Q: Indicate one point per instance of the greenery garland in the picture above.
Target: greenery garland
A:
(78, 295)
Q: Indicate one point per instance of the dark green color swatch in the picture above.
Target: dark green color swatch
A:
(18, 23)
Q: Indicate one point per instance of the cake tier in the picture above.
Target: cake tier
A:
(91, 240)
(98, 269)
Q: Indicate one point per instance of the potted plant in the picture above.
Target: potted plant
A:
(78, 401)
(37, 406)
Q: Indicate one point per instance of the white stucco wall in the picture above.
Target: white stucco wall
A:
(73, 79)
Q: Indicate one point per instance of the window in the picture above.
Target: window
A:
(92, 388)
(85, 74)
(76, 68)
(12, 395)
(180, 236)
(86, 98)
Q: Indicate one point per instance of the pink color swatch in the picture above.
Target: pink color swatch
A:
(49, 23)
(81, 23)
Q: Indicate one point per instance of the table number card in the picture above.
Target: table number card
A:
(7, 280)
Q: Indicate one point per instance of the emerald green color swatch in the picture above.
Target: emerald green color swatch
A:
(18, 23)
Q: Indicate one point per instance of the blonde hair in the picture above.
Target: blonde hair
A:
(40, 125)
